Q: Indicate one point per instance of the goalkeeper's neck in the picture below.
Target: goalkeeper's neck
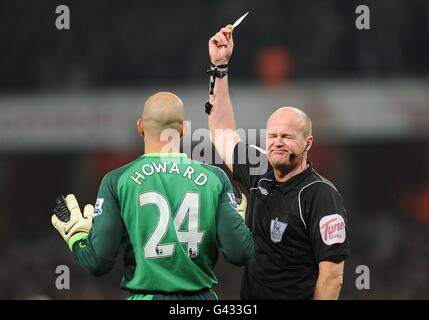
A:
(168, 144)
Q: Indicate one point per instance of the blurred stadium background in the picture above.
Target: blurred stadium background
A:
(69, 100)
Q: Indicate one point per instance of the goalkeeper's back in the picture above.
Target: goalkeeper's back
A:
(171, 214)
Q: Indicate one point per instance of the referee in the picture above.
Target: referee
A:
(296, 216)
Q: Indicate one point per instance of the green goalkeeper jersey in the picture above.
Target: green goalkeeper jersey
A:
(170, 214)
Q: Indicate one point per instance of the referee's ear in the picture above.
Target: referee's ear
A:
(140, 127)
(309, 142)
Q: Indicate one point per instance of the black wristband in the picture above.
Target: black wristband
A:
(222, 66)
(208, 107)
(214, 73)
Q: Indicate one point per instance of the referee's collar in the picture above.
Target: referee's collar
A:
(288, 185)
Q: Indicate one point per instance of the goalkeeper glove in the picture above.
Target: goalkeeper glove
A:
(241, 201)
(242, 206)
(78, 224)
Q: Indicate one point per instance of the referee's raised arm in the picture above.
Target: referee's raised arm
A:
(221, 116)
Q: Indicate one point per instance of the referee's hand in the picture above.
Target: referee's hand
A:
(221, 46)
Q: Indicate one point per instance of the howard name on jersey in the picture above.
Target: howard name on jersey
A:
(166, 167)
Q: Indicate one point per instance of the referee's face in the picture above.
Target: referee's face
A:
(285, 135)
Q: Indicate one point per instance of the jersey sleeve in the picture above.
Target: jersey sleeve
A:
(234, 237)
(327, 223)
(97, 253)
(249, 163)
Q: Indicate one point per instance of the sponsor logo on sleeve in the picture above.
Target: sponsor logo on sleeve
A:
(98, 208)
(332, 229)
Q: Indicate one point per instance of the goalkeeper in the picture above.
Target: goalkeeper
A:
(170, 214)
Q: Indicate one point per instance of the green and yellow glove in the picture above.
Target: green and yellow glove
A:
(242, 206)
(69, 220)
(241, 200)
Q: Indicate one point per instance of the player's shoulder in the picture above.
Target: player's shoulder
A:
(214, 170)
(113, 175)
(317, 184)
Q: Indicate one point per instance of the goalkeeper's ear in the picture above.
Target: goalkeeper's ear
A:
(183, 129)
(140, 127)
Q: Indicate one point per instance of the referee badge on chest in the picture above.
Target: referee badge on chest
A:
(277, 229)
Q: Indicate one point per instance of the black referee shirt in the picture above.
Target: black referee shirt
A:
(296, 224)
